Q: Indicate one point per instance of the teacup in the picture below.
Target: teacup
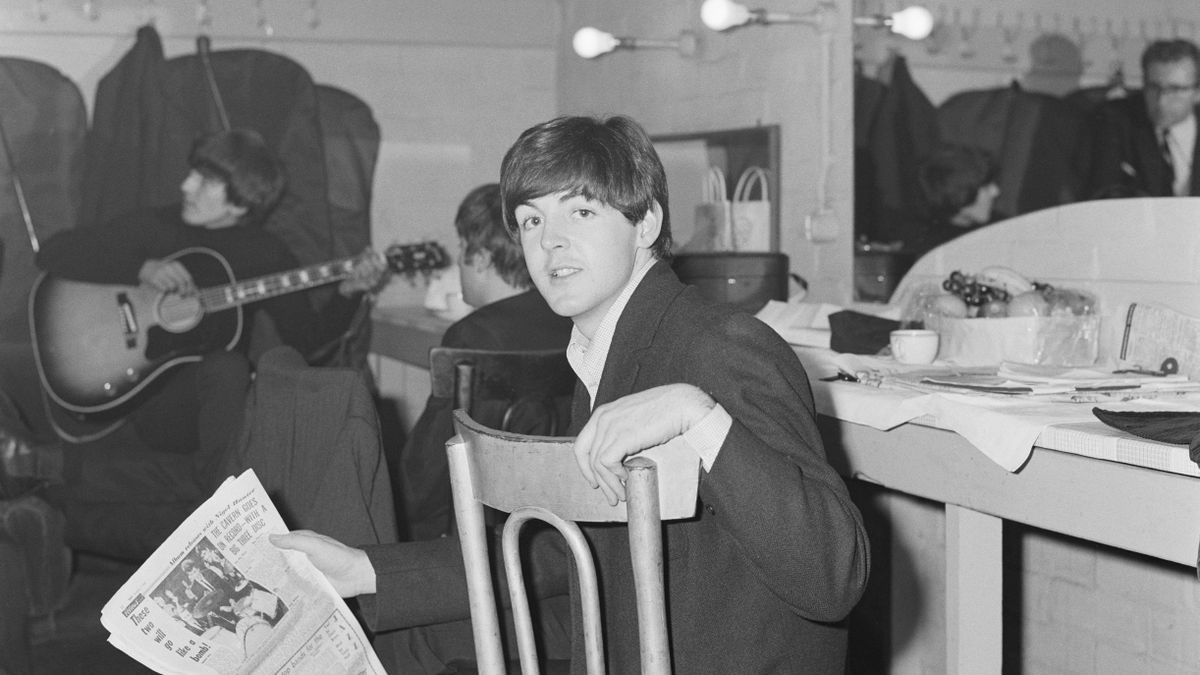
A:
(914, 346)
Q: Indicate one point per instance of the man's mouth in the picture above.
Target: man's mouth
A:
(563, 272)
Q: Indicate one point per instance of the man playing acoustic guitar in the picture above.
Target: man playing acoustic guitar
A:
(177, 425)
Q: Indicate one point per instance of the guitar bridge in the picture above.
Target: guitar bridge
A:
(128, 319)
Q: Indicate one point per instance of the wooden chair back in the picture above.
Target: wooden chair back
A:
(536, 477)
(512, 379)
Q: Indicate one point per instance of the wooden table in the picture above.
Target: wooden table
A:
(1058, 489)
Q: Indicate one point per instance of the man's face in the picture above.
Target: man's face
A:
(1170, 91)
(581, 253)
(205, 203)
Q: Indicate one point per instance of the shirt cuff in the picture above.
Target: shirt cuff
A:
(708, 435)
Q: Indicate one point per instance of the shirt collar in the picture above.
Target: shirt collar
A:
(587, 357)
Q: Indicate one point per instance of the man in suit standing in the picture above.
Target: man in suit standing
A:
(762, 578)
(1146, 145)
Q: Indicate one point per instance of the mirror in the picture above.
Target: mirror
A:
(688, 156)
(1020, 82)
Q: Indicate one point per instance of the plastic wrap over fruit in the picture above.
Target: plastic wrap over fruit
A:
(990, 322)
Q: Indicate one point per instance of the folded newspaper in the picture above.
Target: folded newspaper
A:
(218, 597)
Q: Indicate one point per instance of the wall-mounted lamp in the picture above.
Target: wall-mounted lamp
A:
(726, 14)
(592, 42)
(914, 23)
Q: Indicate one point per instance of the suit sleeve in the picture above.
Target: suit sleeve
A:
(771, 488)
(422, 583)
(103, 255)
(1112, 169)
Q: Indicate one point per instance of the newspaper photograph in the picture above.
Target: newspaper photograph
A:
(218, 597)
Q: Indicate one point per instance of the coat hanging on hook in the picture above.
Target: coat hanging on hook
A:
(149, 110)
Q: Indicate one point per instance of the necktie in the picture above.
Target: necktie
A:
(1165, 147)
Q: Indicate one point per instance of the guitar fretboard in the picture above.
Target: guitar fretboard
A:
(217, 298)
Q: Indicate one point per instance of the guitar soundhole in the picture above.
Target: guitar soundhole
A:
(179, 313)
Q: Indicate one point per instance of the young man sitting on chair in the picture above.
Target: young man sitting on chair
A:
(761, 579)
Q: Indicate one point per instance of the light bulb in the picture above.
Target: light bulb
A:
(592, 42)
(914, 23)
(723, 14)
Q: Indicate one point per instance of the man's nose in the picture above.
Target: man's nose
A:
(553, 234)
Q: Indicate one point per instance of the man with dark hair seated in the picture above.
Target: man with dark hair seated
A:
(124, 492)
(958, 189)
(760, 580)
(509, 315)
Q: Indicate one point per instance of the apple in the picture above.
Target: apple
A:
(1030, 303)
(994, 309)
(949, 305)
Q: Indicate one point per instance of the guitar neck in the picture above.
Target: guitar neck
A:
(239, 293)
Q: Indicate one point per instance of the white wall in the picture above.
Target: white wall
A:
(740, 78)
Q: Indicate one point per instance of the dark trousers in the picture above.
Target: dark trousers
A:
(125, 492)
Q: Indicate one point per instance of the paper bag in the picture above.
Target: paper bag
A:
(751, 217)
(714, 225)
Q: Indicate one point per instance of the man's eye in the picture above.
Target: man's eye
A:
(530, 222)
(585, 213)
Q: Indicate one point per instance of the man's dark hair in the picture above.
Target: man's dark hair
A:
(253, 176)
(611, 161)
(1170, 51)
(950, 178)
(480, 224)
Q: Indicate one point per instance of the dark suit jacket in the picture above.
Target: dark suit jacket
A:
(1126, 160)
(523, 321)
(777, 556)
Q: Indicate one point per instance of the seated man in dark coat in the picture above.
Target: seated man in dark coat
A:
(1146, 145)
(776, 557)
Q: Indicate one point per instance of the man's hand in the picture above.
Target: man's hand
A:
(348, 569)
(370, 272)
(631, 424)
(167, 276)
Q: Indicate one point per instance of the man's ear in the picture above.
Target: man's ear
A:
(481, 260)
(649, 226)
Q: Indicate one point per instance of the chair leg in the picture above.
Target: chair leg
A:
(645, 547)
(485, 623)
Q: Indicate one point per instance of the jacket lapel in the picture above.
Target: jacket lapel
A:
(636, 330)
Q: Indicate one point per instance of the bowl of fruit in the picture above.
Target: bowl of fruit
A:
(996, 314)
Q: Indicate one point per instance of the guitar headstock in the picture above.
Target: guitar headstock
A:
(409, 259)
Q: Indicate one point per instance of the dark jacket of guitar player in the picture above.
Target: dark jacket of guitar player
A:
(125, 487)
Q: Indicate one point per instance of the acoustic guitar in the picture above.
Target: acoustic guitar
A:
(98, 345)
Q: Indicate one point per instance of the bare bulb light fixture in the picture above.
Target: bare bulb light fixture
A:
(591, 42)
(915, 23)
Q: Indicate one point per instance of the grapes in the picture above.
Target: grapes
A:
(971, 291)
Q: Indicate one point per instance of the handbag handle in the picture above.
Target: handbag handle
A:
(713, 189)
(755, 175)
